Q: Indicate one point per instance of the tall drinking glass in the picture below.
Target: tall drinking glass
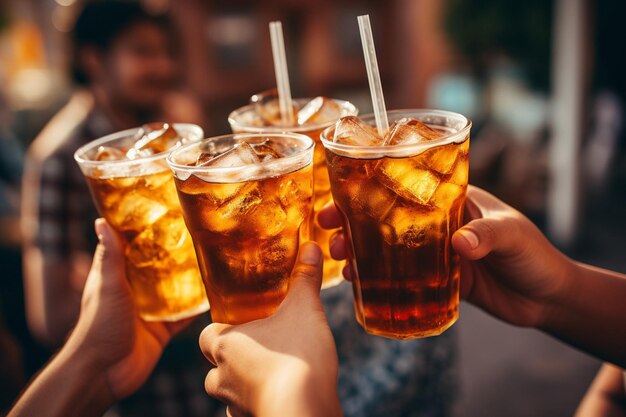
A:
(138, 199)
(247, 200)
(401, 203)
(246, 119)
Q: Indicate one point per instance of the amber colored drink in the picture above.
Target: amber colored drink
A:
(245, 120)
(401, 204)
(247, 216)
(138, 199)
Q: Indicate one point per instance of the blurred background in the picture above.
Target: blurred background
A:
(543, 82)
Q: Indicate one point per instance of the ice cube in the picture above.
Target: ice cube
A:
(268, 219)
(239, 155)
(319, 110)
(460, 174)
(267, 106)
(153, 182)
(407, 180)
(441, 159)
(407, 131)
(108, 153)
(203, 158)
(226, 217)
(136, 212)
(412, 228)
(267, 150)
(221, 192)
(153, 138)
(372, 198)
(446, 194)
(156, 242)
(350, 130)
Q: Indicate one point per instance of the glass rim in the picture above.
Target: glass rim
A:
(80, 152)
(310, 144)
(234, 124)
(401, 149)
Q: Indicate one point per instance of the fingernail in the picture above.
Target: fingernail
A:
(310, 254)
(470, 237)
(101, 230)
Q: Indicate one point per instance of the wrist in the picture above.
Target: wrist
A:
(89, 362)
(300, 392)
(86, 366)
(564, 292)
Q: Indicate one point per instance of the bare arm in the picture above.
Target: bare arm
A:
(110, 352)
(590, 313)
(607, 395)
(70, 385)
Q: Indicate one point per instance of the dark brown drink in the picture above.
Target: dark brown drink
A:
(247, 204)
(401, 198)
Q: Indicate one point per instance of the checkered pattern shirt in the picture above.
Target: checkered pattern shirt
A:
(61, 213)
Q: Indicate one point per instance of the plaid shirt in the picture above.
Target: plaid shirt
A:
(59, 209)
(378, 377)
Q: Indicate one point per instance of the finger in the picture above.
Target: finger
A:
(306, 277)
(481, 237)
(329, 217)
(233, 411)
(337, 246)
(213, 385)
(347, 272)
(209, 341)
(107, 269)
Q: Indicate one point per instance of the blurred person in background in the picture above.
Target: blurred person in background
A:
(122, 59)
(124, 63)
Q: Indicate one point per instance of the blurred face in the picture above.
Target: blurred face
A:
(139, 67)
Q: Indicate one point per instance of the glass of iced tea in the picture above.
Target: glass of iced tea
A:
(311, 117)
(133, 189)
(401, 197)
(247, 200)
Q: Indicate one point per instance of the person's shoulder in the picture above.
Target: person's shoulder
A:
(62, 133)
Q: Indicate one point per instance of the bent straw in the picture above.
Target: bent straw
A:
(282, 76)
(373, 75)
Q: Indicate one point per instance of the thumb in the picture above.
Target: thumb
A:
(481, 237)
(306, 277)
(108, 261)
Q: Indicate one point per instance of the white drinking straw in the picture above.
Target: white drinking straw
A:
(373, 75)
(282, 76)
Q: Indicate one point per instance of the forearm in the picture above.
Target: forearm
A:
(70, 385)
(606, 397)
(591, 313)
